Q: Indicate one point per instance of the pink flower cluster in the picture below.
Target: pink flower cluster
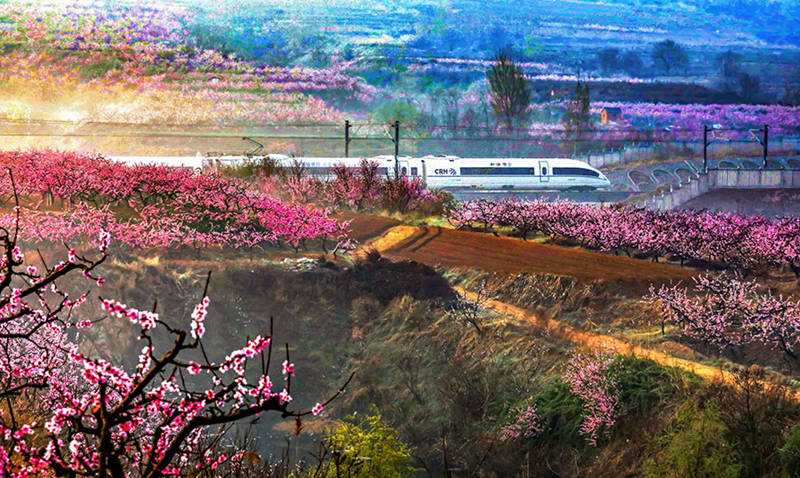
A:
(727, 312)
(172, 206)
(525, 426)
(745, 243)
(147, 320)
(97, 414)
(198, 318)
(588, 378)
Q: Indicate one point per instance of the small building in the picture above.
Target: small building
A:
(560, 95)
(610, 114)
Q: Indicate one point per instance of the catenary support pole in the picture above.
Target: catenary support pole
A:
(346, 138)
(705, 149)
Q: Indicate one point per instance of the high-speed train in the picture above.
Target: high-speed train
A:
(435, 171)
(481, 173)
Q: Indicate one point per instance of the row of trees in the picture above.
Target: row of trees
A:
(742, 243)
(730, 314)
(669, 56)
(360, 188)
(511, 90)
(155, 206)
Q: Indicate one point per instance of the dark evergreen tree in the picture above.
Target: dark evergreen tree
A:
(631, 63)
(729, 65)
(577, 119)
(609, 59)
(669, 55)
(510, 90)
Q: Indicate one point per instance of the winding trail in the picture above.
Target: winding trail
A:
(452, 248)
(613, 344)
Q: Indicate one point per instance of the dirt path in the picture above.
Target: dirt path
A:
(607, 342)
(452, 248)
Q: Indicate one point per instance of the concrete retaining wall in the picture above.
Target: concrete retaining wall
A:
(725, 179)
(681, 194)
(754, 179)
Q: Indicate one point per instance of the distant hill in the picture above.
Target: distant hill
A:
(566, 35)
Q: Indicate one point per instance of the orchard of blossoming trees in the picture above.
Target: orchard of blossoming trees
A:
(743, 243)
(358, 188)
(728, 313)
(691, 118)
(146, 50)
(163, 206)
(73, 415)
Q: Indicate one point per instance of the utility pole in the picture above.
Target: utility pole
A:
(705, 149)
(346, 138)
(766, 139)
(396, 140)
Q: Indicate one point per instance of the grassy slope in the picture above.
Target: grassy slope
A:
(428, 372)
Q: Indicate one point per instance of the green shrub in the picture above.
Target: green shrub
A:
(97, 70)
(643, 383)
(399, 110)
(695, 445)
(368, 448)
(560, 413)
(756, 417)
(790, 453)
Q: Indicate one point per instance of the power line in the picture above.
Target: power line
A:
(166, 135)
(411, 126)
(418, 139)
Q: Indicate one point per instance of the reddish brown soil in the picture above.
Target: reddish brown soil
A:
(452, 248)
(366, 226)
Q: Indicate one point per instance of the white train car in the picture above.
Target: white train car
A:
(441, 172)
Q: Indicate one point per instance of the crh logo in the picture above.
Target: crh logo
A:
(450, 172)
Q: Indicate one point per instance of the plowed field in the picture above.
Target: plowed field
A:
(366, 226)
(452, 248)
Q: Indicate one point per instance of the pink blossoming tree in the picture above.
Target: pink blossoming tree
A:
(96, 418)
(589, 380)
(728, 313)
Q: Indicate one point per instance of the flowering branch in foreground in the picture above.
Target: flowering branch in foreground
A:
(95, 418)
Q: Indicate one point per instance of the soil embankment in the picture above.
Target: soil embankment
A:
(452, 248)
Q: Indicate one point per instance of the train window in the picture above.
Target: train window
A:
(575, 172)
(318, 170)
(498, 171)
(403, 170)
(544, 171)
(414, 171)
